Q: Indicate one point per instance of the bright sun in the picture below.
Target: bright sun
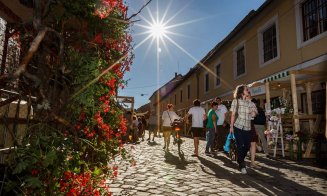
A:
(157, 30)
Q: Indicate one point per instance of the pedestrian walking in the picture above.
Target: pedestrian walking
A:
(168, 117)
(144, 126)
(129, 125)
(259, 125)
(241, 124)
(198, 114)
(222, 131)
(152, 127)
(135, 124)
(254, 136)
(211, 127)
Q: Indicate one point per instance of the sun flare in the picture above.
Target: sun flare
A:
(157, 30)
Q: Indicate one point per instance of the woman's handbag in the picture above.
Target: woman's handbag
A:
(230, 147)
(228, 142)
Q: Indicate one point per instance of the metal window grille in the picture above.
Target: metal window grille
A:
(314, 18)
(269, 43)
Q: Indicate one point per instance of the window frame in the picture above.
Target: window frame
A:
(261, 30)
(205, 82)
(235, 50)
(181, 95)
(219, 77)
(188, 91)
(299, 27)
(175, 99)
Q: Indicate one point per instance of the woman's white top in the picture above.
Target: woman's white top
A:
(166, 120)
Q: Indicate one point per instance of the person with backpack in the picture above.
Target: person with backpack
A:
(259, 125)
(168, 117)
(198, 115)
(241, 123)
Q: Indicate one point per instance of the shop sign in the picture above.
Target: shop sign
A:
(258, 90)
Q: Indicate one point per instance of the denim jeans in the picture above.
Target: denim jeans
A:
(210, 136)
(243, 142)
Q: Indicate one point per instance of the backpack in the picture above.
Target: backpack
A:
(260, 119)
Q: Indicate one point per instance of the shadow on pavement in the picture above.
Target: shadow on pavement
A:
(179, 161)
(267, 181)
(153, 143)
(284, 165)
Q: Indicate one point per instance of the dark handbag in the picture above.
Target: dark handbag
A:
(178, 123)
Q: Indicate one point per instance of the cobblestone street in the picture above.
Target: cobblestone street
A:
(160, 173)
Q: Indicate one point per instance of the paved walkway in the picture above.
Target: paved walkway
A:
(160, 173)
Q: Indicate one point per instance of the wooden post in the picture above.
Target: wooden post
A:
(309, 106)
(267, 96)
(295, 104)
(284, 93)
(309, 102)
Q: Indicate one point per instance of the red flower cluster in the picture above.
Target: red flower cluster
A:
(35, 172)
(107, 6)
(75, 184)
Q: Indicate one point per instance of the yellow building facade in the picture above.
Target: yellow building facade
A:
(268, 43)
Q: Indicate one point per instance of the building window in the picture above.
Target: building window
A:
(206, 82)
(318, 99)
(181, 98)
(240, 61)
(175, 99)
(269, 43)
(268, 38)
(188, 91)
(314, 18)
(218, 75)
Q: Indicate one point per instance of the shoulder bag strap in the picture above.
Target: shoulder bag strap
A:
(236, 111)
(169, 116)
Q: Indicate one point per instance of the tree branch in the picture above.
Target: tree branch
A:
(133, 15)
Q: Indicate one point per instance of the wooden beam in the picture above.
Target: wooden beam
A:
(295, 103)
(312, 80)
(307, 72)
(8, 101)
(305, 117)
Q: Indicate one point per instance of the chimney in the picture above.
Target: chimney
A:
(175, 74)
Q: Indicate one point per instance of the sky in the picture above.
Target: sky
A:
(196, 27)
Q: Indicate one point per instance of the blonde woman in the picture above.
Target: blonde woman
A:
(241, 125)
(168, 116)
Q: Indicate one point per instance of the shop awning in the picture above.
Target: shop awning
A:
(276, 76)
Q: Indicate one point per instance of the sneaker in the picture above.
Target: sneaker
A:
(164, 147)
(207, 152)
(243, 171)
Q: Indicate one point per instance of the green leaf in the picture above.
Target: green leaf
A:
(20, 167)
(33, 182)
(96, 171)
(50, 157)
